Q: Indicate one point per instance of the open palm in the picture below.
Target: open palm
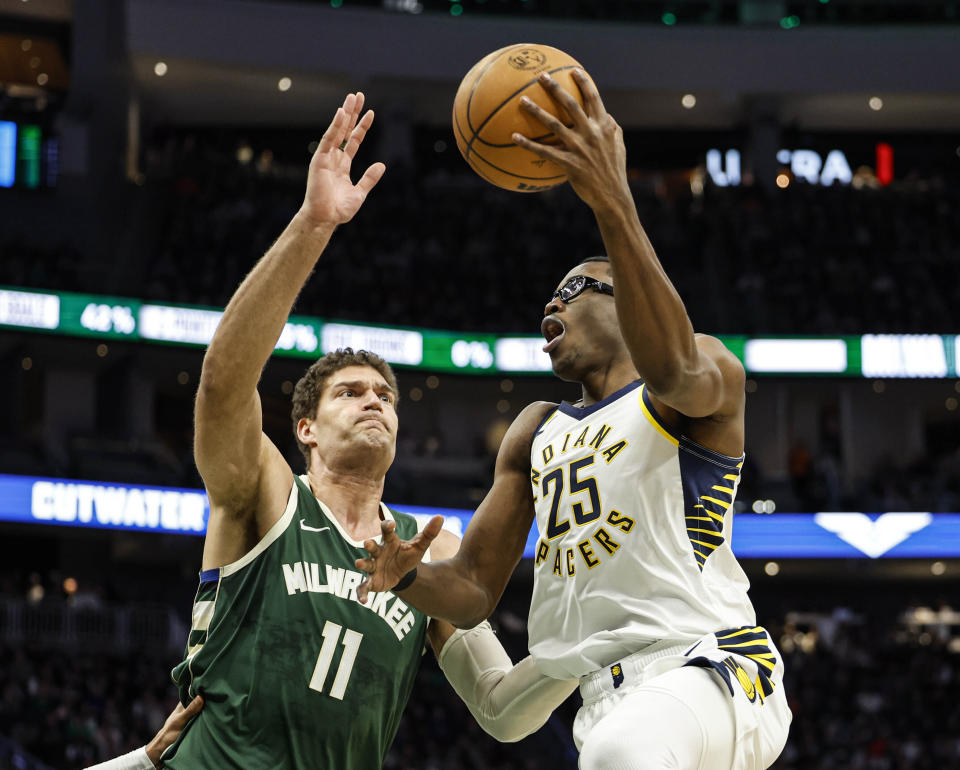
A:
(331, 197)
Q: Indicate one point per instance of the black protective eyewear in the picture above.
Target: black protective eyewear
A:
(575, 286)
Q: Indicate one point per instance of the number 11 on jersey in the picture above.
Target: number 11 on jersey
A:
(351, 646)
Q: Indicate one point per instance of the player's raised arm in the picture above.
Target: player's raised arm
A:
(697, 379)
(465, 588)
(230, 449)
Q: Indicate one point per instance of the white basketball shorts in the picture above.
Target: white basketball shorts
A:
(718, 704)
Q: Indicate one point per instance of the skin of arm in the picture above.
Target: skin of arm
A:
(509, 701)
(465, 589)
(694, 375)
(246, 477)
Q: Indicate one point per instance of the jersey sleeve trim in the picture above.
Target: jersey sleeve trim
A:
(268, 539)
(210, 575)
(650, 412)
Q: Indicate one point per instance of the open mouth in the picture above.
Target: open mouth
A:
(553, 331)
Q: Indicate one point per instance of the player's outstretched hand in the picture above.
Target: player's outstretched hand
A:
(332, 198)
(591, 150)
(389, 562)
(172, 728)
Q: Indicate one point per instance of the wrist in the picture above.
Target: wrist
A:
(153, 751)
(307, 224)
(406, 581)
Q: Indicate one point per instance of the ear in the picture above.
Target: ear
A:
(305, 432)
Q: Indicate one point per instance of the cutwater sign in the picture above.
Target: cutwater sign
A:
(65, 502)
(110, 506)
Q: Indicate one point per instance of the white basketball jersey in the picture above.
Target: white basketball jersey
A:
(634, 541)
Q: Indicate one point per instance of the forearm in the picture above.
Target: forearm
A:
(508, 701)
(256, 314)
(652, 317)
(448, 591)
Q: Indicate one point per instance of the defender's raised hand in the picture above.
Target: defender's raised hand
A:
(591, 150)
(388, 563)
(331, 197)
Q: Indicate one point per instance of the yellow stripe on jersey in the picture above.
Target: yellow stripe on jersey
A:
(741, 631)
(711, 546)
(721, 503)
(654, 421)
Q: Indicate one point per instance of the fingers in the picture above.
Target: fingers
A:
(357, 134)
(364, 588)
(193, 708)
(592, 103)
(430, 532)
(341, 125)
(368, 181)
(547, 151)
(563, 98)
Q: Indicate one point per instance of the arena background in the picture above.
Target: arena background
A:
(796, 165)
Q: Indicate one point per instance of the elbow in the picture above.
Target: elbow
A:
(506, 731)
(474, 619)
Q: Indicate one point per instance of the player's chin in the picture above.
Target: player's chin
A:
(565, 365)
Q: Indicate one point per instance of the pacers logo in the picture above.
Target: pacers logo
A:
(527, 59)
(743, 678)
(617, 673)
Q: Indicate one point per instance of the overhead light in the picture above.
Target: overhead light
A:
(26, 45)
(160, 69)
(783, 181)
(42, 79)
(688, 101)
(284, 84)
(771, 568)
(876, 103)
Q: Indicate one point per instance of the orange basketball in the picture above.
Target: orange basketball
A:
(486, 113)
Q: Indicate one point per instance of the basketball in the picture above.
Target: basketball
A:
(486, 112)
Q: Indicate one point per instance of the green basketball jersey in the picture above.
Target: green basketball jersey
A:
(295, 672)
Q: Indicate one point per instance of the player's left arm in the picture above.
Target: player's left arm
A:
(697, 376)
(508, 701)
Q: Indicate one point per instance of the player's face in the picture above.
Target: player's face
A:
(582, 333)
(357, 413)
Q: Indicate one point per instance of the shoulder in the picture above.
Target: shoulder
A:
(515, 448)
(528, 422)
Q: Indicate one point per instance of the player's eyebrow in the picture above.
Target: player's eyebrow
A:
(363, 385)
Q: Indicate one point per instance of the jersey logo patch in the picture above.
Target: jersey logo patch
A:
(308, 528)
(616, 671)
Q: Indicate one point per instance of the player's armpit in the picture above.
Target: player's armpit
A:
(240, 518)
(509, 702)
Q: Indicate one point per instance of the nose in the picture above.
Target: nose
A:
(553, 306)
(371, 400)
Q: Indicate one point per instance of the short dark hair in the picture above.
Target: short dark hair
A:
(306, 393)
(593, 259)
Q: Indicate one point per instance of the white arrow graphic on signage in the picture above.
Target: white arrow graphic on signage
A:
(873, 537)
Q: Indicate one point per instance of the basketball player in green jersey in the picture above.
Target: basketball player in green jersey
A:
(294, 671)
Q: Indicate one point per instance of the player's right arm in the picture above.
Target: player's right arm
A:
(465, 589)
(246, 477)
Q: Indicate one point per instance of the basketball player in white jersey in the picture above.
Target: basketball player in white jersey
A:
(636, 589)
